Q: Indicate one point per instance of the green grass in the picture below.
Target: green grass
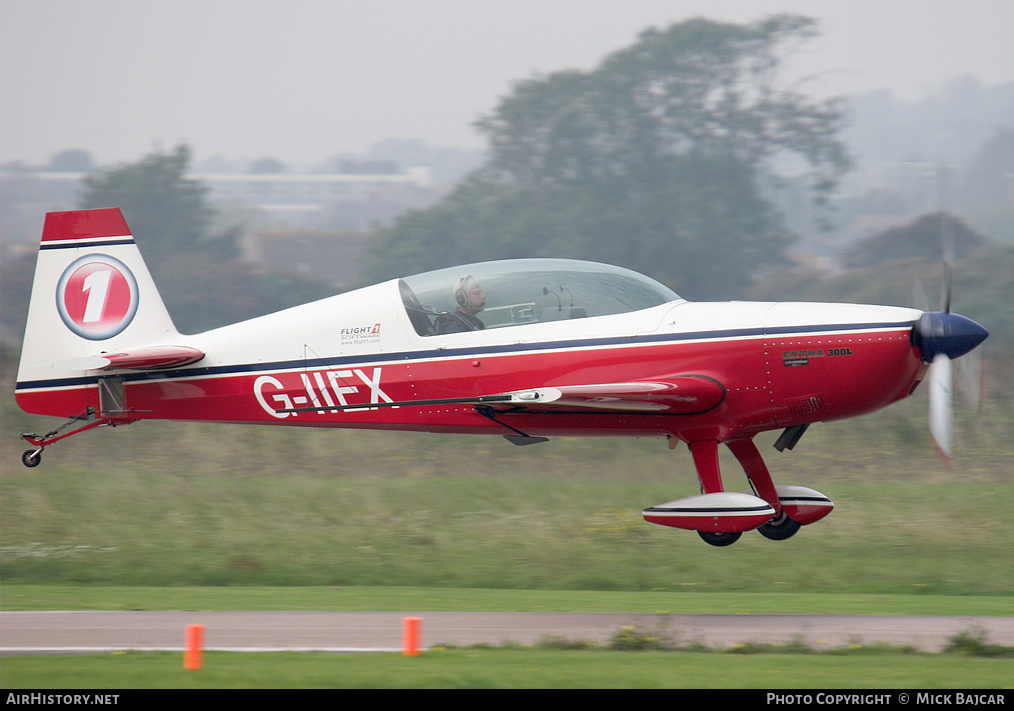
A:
(512, 668)
(146, 530)
(177, 504)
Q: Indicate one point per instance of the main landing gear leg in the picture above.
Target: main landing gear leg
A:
(705, 453)
(781, 526)
(718, 516)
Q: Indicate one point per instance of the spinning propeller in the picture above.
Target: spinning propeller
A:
(942, 336)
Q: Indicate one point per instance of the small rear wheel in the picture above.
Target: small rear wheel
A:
(719, 539)
(779, 528)
(31, 457)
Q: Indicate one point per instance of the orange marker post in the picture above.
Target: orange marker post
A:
(193, 653)
(411, 635)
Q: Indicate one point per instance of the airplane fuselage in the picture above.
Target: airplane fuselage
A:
(780, 364)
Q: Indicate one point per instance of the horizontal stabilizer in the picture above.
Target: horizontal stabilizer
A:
(145, 358)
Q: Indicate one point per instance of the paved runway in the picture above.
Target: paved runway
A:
(91, 631)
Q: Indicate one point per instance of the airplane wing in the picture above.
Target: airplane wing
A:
(684, 394)
(144, 358)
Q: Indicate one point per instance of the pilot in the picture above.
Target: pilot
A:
(471, 299)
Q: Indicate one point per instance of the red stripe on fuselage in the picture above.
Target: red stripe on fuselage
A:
(771, 383)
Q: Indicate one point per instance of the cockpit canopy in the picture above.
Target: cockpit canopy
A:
(524, 291)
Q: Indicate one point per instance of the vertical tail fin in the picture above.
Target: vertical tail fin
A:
(92, 298)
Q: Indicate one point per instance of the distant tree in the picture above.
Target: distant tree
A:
(651, 161)
(75, 160)
(202, 294)
(267, 165)
(699, 88)
(988, 179)
(16, 275)
(166, 209)
(931, 238)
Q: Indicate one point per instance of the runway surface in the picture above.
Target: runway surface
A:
(92, 631)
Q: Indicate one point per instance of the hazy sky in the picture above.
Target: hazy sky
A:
(300, 80)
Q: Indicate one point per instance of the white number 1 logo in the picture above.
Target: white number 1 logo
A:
(96, 285)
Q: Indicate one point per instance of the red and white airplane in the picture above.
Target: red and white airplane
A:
(568, 348)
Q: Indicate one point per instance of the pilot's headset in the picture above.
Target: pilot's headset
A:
(462, 288)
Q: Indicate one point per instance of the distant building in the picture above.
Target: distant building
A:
(289, 194)
(329, 256)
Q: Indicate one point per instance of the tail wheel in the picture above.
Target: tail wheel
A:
(31, 457)
(719, 539)
(779, 528)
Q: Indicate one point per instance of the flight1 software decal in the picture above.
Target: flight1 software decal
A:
(97, 297)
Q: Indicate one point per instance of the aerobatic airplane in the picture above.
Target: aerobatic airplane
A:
(529, 349)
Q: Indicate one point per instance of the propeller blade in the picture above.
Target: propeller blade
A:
(941, 415)
(945, 295)
(919, 298)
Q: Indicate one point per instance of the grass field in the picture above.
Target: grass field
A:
(176, 504)
(528, 668)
